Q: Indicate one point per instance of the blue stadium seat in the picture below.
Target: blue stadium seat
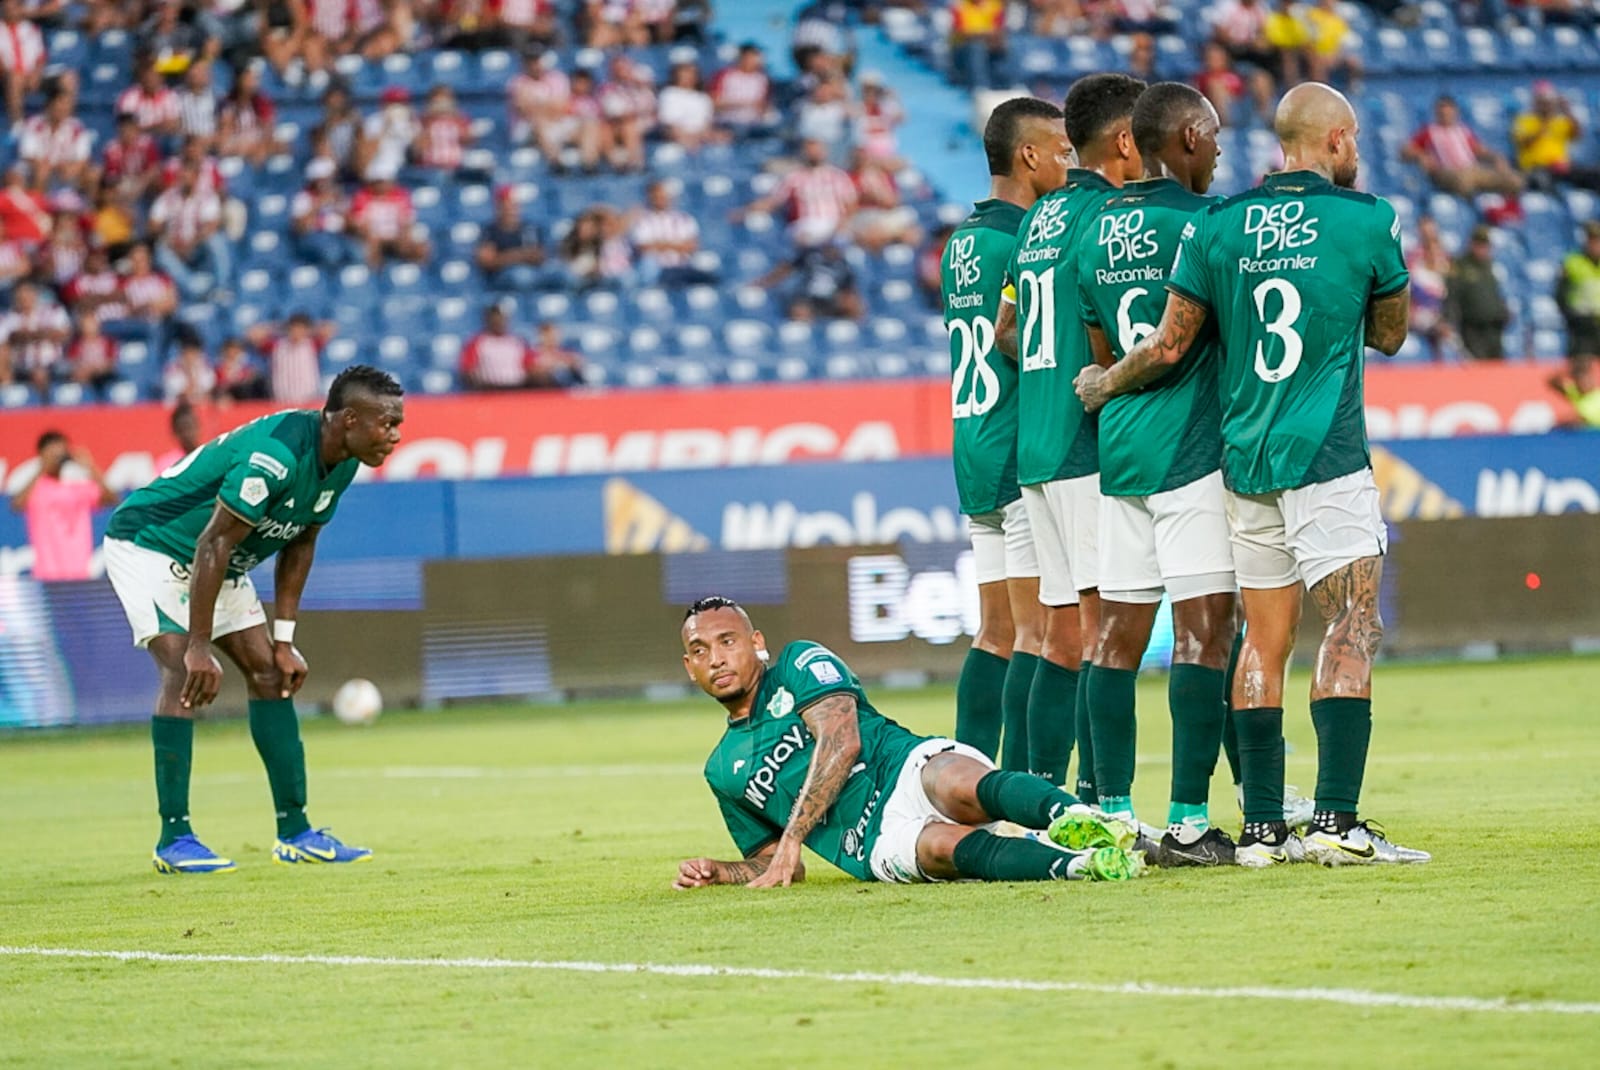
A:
(644, 343)
(340, 352)
(445, 351)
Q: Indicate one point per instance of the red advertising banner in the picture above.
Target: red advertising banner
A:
(487, 435)
(482, 436)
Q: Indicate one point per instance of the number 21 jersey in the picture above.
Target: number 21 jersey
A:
(1287, 270)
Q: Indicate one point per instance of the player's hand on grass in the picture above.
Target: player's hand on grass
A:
(291, 665)
(1090, 385)
(202, 676)
(781, 870)
(696, 873)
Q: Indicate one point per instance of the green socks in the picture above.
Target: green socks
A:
(989, 857)
(1086, 784)
(1344, 728)
(174, 744)
(1261, 755)
(276, 732)
(1014, 701)
(1194, 694)
(1052, 710)
(1030, 801)
(1110, 694)
(978, 703)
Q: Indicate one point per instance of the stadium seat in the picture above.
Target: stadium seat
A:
(445, 351)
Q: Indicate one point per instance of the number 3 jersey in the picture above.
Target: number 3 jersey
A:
(983, 382)
(1287, 270)
(1168, 434)
(759, 766)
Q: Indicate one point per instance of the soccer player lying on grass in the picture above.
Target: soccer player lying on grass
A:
(807, 760)
(179, 554)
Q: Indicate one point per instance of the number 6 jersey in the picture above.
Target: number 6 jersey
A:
(1287, 271)
(983, 382)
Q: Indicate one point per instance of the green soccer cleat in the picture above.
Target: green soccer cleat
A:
(1111, 864)
(1083, 828)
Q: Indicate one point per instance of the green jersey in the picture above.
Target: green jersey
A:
(759, 766)
(1055, 437)
(1287, 270)
(268, 472)
(983, 383)
(1168, 434)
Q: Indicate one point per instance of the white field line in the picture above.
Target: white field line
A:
(1350, 997)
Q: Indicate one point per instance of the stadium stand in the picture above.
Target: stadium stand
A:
(354, 166)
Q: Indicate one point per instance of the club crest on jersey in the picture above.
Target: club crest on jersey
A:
(322, 501)
(781, 704)
(253, 490)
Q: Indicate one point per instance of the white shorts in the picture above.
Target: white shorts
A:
(1065, 517)
(1175, 541)
(1002, 544)
(908, 811)
(154, 591)
(1307, 533)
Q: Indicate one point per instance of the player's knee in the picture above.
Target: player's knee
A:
(265, 681)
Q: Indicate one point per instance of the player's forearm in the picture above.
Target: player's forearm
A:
(1005, 331)
(742, 872)
(211, 554)
(1150, 359)
(1388, 322)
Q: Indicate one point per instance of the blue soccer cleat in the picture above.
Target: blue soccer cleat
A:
(188, 855)
(315, 845)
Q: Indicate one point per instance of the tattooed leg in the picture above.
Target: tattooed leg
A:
(1348, 602)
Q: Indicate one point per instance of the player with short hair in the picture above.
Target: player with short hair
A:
(1163, 526)
(179, 553)
(1298, 273)
(1026, 143)
(806, 759)
(1057, 459)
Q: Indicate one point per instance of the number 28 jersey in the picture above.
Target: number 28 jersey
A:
(983, 382)
(1287, 270)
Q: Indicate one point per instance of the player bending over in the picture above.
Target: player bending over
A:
(1299, 273)
(807, 760)
(179, 553)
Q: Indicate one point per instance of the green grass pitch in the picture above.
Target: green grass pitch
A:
(552, 834)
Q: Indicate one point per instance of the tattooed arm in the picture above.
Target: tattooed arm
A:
(837, 731)
(704, 872)
(1147, 361)
(1005, 330)
(1388, 320)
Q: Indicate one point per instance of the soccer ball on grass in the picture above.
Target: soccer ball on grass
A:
(357, 702)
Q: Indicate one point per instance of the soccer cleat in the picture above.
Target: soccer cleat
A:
(1297, 809)
(1111, 864)
(1255, 852)
(315, 845)
(188, 855)
(1082, 828)
(1213, 848)
(1362, 844)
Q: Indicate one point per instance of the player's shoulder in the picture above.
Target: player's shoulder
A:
(279, 442)
(996, 215)
(812, 662)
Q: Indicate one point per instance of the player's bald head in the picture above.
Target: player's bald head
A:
(1309, 112)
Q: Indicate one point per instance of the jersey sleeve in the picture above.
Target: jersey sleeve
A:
(1389, 274)
(750, 832)
(1086, 310)
(258, 478)
(1190, 275)
(812, 672)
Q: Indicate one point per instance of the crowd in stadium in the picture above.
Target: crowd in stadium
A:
(224, 200)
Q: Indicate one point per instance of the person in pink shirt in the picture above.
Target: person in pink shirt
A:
(58, 511)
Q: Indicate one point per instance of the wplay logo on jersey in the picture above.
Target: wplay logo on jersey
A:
(1280, 227)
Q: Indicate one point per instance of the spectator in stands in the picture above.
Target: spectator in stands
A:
(881, 218)
(496, 358)
(172, 44)
(112, 225)
(1289, 39)
(55, 145)
(444, 135)
(186, 223)
(189, 376)
(15, 264)
(1544, 136)
(131, 163)
(383, 220)
(1578, 295)
(825, 284)
(612, 24)
(1474, 306)
(819, 31)
(684, 110)
(60, 259)
(537, 100)
(824, 115)
(184, 423)
(22, 57)
(247, 125)
(32, 335)
(522, 24)
(553, 363)
(511, 249)
(627, 114)
(1429, 264)
(151, 102)
(819, 198)
(977, 40)
(24, 213)
(1330, 54)
(92, 355)
(742, 93)
(58, 511)
(1059, 18)
(387, 136)
(1143, 17)
(319, 218)
(929, 259)
(197, 104)
(150, 296)
(341, 127)
(594, 251)
(1221, 84)
(235, 27)
(1240, 29)
(666, 238)
(1453, 158)
(97, 290)
(239, 377)
(877, 118)
(293, 351)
